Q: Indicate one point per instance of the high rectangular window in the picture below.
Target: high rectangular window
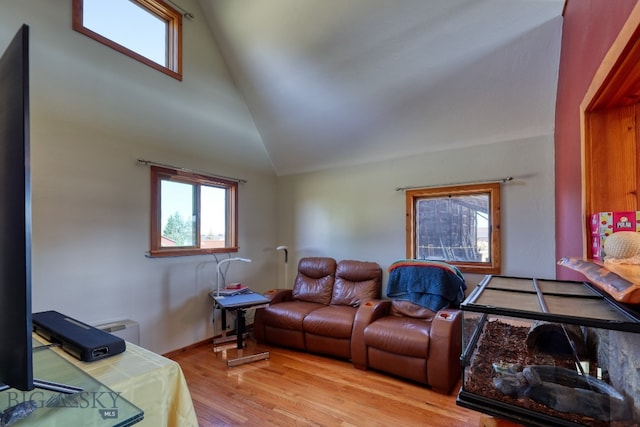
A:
(149, 31)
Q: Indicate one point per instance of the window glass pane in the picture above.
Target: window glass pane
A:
(177, 210)
(453, 228)
(213, 217)
(129, 25)
(192, 213)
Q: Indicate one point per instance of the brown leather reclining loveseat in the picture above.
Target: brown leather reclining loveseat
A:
(318, 314)
(335, 309)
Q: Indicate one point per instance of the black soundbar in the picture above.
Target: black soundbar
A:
(82, 341)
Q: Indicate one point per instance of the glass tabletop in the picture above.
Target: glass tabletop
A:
(94, 405)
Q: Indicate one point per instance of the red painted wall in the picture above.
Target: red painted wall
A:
(589, 29)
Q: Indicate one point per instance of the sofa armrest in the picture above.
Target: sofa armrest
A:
(279, 295)
(445, 347)
(275, 296)
(368, 311)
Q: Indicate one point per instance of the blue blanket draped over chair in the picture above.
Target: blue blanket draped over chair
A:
(431, 284)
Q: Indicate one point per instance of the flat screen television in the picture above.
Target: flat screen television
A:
(16, 348)
(16, 360)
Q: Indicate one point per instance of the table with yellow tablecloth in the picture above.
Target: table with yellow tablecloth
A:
(150, 381)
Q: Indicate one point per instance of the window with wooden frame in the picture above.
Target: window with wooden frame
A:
(149, 31)
(457, 224)
(192, 214)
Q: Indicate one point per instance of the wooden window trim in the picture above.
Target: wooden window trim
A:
(162, 11)
(411, 197)
(156, 250)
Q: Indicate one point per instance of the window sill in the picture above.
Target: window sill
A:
(165, 253)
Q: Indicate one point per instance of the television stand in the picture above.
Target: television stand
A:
(58, 387)
(49, 386)
(44, 384)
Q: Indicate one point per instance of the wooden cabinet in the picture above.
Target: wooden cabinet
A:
(610, 114)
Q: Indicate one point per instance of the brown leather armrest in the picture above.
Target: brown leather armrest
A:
(368, 311)
(275, 296)
(278, 295)
(445, 346)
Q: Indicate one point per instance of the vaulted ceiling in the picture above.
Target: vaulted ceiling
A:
(340, 82)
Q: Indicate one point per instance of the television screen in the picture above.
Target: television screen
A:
(16, 360)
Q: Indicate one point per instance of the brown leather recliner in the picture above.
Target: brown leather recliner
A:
(409, 341)
(318, 314)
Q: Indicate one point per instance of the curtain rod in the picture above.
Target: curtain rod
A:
(185, 13)
(493, 181)
(162, 165)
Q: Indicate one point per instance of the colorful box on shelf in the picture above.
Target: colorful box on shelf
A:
(604, 224)
(597, 246)
(611, 222)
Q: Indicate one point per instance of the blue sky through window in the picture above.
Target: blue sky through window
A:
(128, 24)
(178, 197)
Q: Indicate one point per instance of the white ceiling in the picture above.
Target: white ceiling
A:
(339, 82)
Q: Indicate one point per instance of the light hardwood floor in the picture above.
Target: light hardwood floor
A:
(298, 389)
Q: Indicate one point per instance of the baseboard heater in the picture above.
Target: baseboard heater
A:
(127, 329)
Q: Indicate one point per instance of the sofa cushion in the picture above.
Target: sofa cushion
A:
(331, 321)
(400, 335)
(355, 282)
(288, 314)
(315, 279)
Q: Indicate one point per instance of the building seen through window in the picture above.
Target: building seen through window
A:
(458, 224)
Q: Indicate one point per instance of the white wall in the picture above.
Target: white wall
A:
(356, 212)
(94, 112)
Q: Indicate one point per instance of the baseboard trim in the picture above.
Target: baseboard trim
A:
(206, 341)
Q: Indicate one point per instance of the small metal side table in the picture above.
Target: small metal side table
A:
(239, 304)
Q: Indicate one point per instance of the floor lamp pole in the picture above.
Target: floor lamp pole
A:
(286, 265)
